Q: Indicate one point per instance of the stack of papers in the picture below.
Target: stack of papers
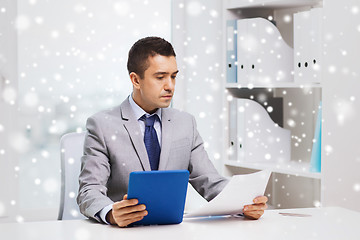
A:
(240, 191)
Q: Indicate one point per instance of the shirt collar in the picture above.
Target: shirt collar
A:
(139, 112)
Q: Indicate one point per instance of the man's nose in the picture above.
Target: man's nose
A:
(169, 84)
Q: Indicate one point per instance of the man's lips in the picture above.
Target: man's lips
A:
(167, 96)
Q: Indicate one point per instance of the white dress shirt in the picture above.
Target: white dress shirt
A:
(139, 112)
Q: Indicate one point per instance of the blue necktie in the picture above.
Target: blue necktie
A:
(151, 141)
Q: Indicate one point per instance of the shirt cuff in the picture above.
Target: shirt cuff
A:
(104, 212)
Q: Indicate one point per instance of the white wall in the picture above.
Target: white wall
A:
(341, 96)
(8, 108)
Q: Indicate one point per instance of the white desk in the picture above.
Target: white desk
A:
(324, 223)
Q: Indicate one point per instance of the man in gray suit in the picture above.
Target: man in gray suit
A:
(114, 144)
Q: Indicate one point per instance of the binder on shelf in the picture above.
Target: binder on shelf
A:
(243, 37)
(232, 145)
(231, 51)
(315, 163)
(307, 46)
(261, 140)
(263, 56)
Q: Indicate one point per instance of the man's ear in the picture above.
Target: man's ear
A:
(135, 80)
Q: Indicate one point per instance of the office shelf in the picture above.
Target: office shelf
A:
(291, 168)
(272, 85)
(278, 4)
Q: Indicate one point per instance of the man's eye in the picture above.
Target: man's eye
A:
(160, 78)
(173, 77)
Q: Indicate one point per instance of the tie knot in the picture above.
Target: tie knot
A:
(149, 121)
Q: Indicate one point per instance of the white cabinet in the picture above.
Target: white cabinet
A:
(265, 80)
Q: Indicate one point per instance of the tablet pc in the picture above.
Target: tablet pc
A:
(162, 192)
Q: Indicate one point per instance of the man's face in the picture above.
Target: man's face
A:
(157, 87)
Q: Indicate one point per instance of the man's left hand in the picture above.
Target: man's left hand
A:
(256, 210)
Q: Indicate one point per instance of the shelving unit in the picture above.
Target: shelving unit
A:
(292, 168)
(272, 85)
(272, 4)
(298, 165)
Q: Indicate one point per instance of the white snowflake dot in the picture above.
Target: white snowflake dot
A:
(71, 161)
(19, 219)
(37, 181)
(332, 69)
(54, 34)
(287, 18)
(202, 114)
(229, 98)
(317, 203)
(71, 194)
(328, 149)
(355, 10)
(39, 20)
(74, 213)
(357, 187)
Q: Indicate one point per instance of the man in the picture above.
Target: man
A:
(117, 141)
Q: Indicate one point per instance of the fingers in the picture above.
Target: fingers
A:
(256, 210)
(127, 211)
(254, 215)
(125, 203)
(255, 207)
(126, 223)
(123, 209)
(260, 199)
(125, 220)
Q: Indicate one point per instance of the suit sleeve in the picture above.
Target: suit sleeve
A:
(95, 172)
(203, 175)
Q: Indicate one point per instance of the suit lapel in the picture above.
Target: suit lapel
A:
(166, 133)
(132, 127)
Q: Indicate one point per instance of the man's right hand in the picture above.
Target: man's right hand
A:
(126, 212)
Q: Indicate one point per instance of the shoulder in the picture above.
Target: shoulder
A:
(105, 118)
(112, 113)
(179, 118)
(177, 114)
(107, 113)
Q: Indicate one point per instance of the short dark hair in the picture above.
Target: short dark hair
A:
(145, 47)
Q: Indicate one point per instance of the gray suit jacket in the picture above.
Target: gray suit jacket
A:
(114, 148)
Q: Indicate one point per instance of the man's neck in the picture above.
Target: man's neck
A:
(149, 111)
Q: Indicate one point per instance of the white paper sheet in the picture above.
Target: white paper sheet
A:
(240, 191)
